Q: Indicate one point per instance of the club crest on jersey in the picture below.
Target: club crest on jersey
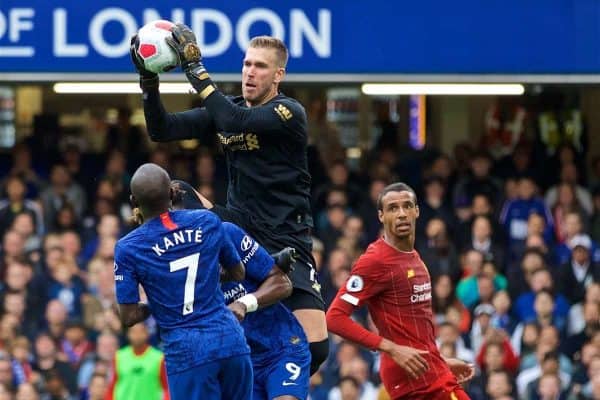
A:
(410, 273)
(354, 284)
(246, 243)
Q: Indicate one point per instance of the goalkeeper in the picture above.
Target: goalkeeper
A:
(263, 134)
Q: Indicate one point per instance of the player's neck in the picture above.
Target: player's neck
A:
(139, 350)
(405, 245)
(151, 214)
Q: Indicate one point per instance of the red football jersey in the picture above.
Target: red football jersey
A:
(396, 288)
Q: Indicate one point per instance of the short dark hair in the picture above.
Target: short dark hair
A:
(394, 187)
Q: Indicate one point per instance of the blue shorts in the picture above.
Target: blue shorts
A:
(287, 375)
(230, 378)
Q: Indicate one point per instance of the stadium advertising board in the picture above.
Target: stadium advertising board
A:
(332, 37)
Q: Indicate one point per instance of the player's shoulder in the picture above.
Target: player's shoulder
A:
(288, 107)
(201, 216)
(131, 237)
(232, 230)
(375, 256)
(237, 100)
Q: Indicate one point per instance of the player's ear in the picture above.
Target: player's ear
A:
(380, 215)
(279, 74)
(133, 201)
(417, 211)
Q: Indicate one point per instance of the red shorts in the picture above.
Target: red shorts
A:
(444, 388)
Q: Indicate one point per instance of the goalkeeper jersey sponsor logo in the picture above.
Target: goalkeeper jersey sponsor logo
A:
(242, 141)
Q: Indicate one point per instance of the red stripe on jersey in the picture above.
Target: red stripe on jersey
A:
(167, 222)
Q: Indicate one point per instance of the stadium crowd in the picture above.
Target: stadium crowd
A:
(511, 244)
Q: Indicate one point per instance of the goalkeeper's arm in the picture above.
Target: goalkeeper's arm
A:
(163, 126)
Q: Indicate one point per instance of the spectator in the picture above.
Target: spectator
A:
(438, 252)
(502, 317)
(59, 376)
(549, 388)
(566, 203)
(479, 180)
(75, 345)
(98, 388)
(569, 175)
(444, 298)
(16, 203)
(26, 391)
(516, 212)
(548, 341)
(580, 272)
(482, 240)
(107, 345)
(433, 204)
(573, 229)
(576, 322)
(359, 370)
(524, 306)
(56, 319)
(499, 384)
(62, 191)
(448, 333)
(7, 377)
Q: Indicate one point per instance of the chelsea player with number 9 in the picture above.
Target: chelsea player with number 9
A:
(175, 257)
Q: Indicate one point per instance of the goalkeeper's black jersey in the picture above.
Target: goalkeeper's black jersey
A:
(265, 148)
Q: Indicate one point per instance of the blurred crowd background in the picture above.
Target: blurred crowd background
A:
(511, 242)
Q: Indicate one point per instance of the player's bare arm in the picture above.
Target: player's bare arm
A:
(132, 314)
(339, 321)
(462, 370)
(234, 273)
(275, 287)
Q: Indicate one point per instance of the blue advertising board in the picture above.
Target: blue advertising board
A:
(332, 37)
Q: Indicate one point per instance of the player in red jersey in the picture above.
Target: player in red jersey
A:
(393, 282)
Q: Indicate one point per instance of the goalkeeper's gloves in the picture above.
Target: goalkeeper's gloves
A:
(183, 41)
(285, 259)
(148, 80)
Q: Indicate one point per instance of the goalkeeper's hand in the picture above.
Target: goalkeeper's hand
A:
(147, 79)
(183, 41)
(139, 64)
(285, 259)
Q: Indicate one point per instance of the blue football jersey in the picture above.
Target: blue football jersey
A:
(269, 330)
(175, 258)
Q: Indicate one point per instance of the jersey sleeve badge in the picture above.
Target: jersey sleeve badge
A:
(355, 284)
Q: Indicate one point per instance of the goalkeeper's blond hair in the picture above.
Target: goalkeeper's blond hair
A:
(269, 42)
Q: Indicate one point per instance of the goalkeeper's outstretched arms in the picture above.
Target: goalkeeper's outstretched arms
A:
(268, 118)
(164, 126)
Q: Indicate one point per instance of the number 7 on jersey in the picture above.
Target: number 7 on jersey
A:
(191, 263)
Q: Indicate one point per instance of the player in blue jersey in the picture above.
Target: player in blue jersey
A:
(280, 351)
(175, 257)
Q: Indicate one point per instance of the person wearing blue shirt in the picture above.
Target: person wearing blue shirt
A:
(177, 257)
(280, 351)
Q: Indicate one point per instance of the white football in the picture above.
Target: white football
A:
(152, 48)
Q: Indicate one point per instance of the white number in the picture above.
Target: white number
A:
(312, 273)
(191, 263)
(293, 369)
